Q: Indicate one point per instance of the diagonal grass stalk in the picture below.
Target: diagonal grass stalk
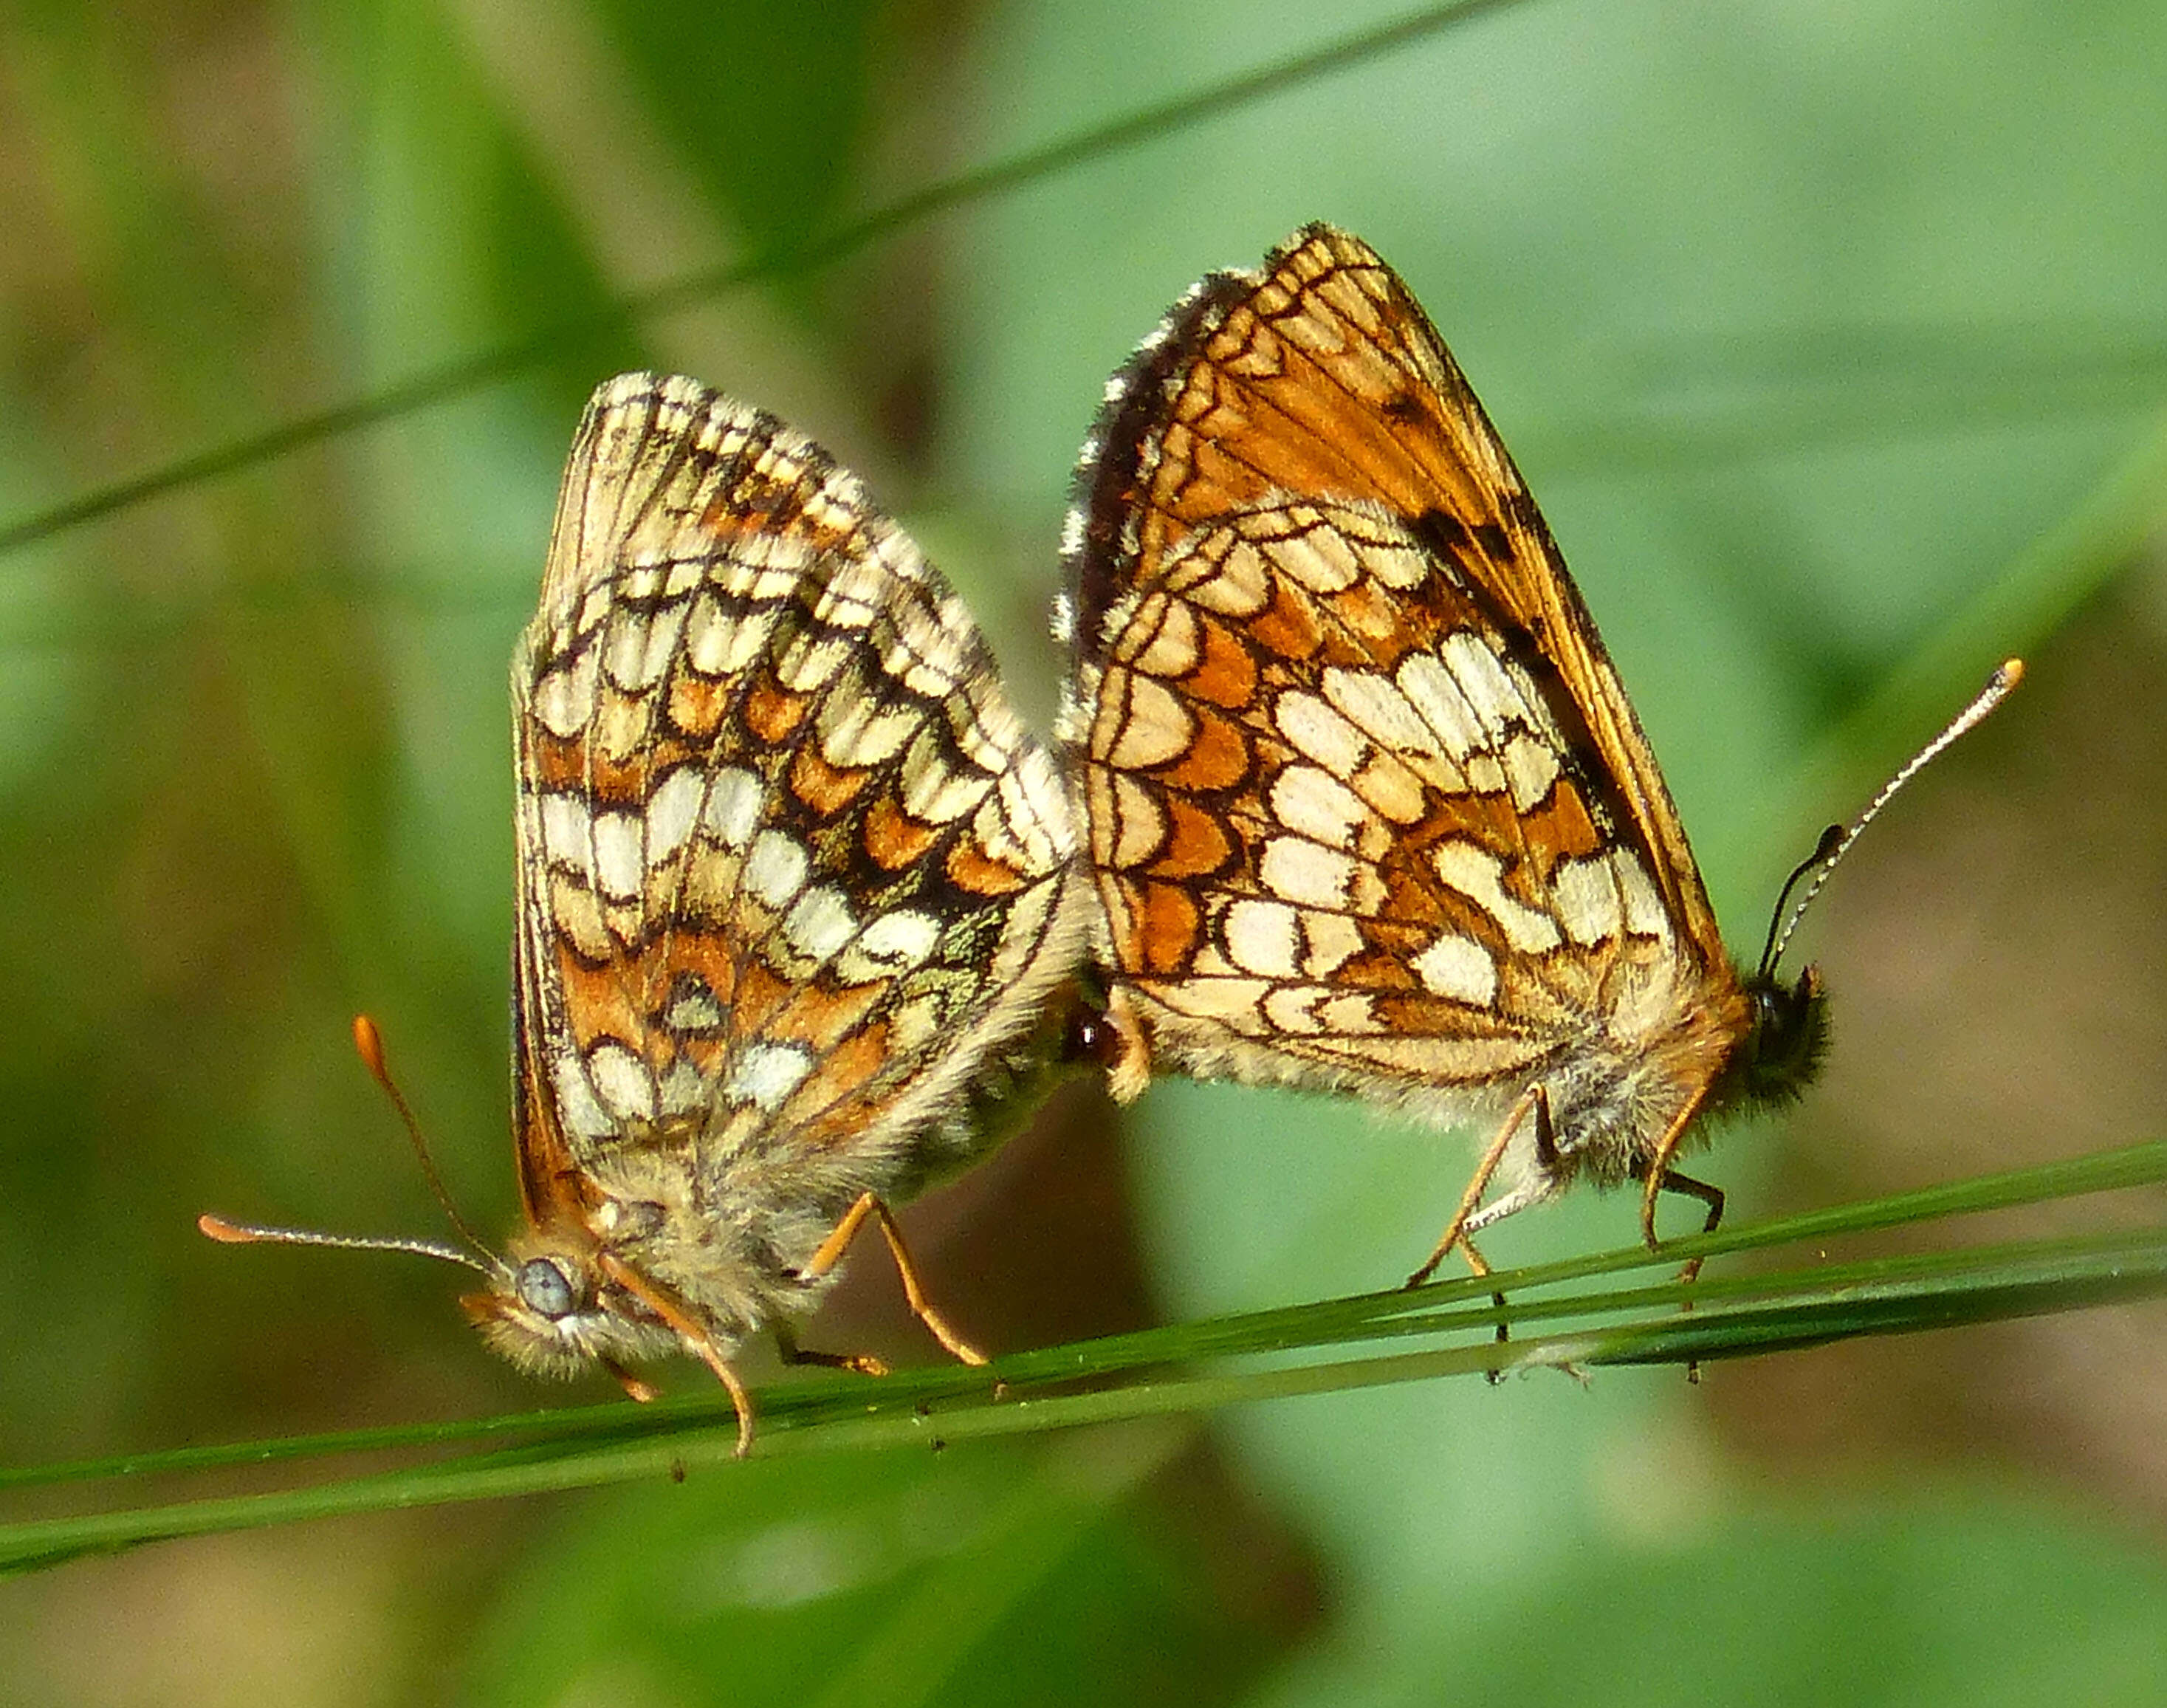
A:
(484, 368)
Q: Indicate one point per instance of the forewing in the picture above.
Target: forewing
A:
(790, 866)
(1362, 787)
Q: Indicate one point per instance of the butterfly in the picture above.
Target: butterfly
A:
(794, 884)
(1367, 808)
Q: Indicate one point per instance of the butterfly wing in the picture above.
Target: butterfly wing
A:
(1366, 802)
(790, 867)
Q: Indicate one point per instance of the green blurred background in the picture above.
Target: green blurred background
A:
(1834, 338)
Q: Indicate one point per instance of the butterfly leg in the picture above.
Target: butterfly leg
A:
(635, 1387)
(1657, 1177)
(1468, 1218)
(696, 1340)
(1479, 1265)
(1519, 1198)
(863, 1363)
(1671, 1180)
(1686, 1187)
(831, 1253)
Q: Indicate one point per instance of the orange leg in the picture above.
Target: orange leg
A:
(696, 1340)
(1658, 1174)
(1660, 1178)
(635, 1387)
(1466, 1220)
(831, 1253)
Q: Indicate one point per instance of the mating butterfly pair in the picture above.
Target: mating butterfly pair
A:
(1356, 802)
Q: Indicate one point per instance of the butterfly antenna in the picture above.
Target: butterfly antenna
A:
(368, 1042)
(256, 1233)
(1826, 848)
(1835, 842)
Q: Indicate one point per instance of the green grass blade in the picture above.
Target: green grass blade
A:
(1195, 1367)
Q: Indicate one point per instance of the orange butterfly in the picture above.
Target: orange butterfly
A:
(795, 885)
(1367, 807)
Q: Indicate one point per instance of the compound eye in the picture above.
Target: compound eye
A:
(543, 1288)
(1770, 1002)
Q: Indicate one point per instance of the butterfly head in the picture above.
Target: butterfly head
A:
(1786, 1032)
(554, 1310)
(1785, 1040)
